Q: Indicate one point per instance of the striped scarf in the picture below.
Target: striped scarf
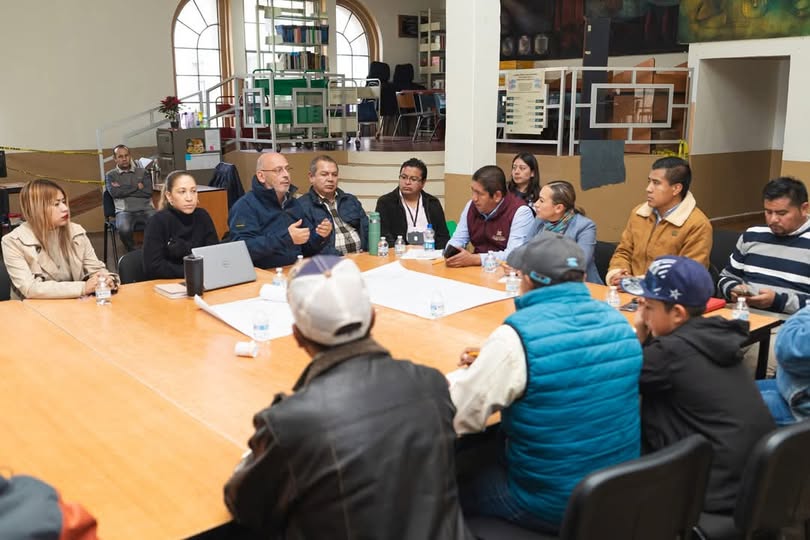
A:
(561, 224)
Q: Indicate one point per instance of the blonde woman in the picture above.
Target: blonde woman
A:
(179, 226)
(48, 256)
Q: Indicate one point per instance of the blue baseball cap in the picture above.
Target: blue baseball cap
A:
(674, 279)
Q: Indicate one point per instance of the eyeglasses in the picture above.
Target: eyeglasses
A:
(406, 178)
(278, 170)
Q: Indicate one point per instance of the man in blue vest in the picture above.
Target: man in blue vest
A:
(494, 220)
(563, 370)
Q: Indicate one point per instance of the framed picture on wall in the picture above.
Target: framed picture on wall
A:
(408, 26)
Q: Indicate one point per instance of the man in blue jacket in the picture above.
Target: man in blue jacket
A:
(271, 221)
(563, 370)
(326, 201)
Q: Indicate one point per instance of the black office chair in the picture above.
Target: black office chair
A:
(5, 281)
(723, 244)
(109, 226)
(601, 256)
(130, 267)
(774, 493)
(655, 496)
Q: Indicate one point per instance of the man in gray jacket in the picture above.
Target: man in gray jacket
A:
(131, 189)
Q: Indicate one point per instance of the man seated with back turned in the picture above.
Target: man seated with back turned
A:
(563, 369)
(693, 379)
(326, 201)
(364, 446)
(271, 221)
(493, 220)
(131, 190)
(669, 223)
(410, 208)
(771, 265)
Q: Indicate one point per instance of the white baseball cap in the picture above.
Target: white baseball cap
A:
(329, 300)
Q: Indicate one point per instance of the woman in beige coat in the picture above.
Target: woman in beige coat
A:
(48, 256)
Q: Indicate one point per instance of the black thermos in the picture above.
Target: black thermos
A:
(193, 271)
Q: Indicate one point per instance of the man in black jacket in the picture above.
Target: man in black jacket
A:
(692, 379)
(409, 208)
(364, 448)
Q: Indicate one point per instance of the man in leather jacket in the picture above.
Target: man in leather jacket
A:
(364, 448)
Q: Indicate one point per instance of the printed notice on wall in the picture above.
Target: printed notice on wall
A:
(526, 92)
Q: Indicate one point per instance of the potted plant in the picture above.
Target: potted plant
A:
(170, 107)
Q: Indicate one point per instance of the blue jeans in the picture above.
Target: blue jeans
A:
(780, 410)
(482, 481)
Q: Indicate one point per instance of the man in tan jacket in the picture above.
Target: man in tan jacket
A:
(669, 223)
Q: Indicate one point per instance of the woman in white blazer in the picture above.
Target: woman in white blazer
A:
(48, 256)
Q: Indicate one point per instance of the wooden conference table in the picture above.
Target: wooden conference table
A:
(140, 409)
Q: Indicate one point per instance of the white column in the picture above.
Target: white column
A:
(473, 45)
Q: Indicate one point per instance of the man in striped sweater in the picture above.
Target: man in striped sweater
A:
(770, 265)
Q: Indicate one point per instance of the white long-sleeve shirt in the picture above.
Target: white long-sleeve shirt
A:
(492, 382)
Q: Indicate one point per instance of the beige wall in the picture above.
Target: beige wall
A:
(715, 177)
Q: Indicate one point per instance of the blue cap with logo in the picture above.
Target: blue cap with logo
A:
(674, 279)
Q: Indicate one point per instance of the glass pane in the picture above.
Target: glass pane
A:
(353, 28)
(183, 37)
(343, 45)
(252, 62)
(191, 17)
(209, 11)
(209, 39)
(360, 45)
(249, 10)
(250, 37)
(209, 62)
(341, 18)
(186, 84)
(360, 66)
(344, 66)
(185, 61)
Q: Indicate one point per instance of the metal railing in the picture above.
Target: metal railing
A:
(567, 104)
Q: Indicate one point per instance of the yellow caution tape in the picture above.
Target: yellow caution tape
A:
(80, 152)
(69, 180)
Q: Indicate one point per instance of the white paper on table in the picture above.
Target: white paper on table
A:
(396, 287)
(422, 255)
(273, 293)
(239, 315)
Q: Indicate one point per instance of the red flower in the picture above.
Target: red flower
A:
(170, 106)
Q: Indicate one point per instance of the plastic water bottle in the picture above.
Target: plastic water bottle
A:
(261, 325)
(382, 247)
(512, 284)
(399, 246)
(490, 263)
(436, 304)
(612, 297)
(103, 292)
(740, 311)
(429, 238)
(299, 258)
(279, 279)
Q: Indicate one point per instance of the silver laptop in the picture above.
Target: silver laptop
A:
(225, 264)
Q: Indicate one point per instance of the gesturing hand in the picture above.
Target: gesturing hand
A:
(324, 228)
(298, 234)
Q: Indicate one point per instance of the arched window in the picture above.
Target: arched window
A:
(357, 39)
(197, 53)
